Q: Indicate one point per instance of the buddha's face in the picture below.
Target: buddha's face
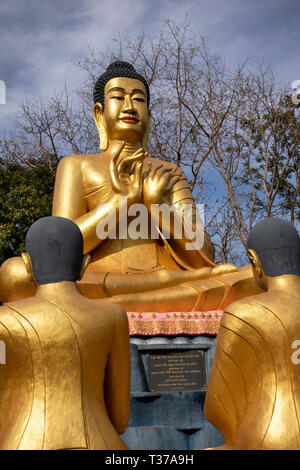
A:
(125, 112)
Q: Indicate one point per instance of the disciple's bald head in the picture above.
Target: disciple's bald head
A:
(55, 247)
(277, 245)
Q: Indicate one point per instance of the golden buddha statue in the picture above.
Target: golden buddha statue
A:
(253, 394)
(141, 274)
(66, 381)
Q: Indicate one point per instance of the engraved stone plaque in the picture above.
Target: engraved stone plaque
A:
(181, 370)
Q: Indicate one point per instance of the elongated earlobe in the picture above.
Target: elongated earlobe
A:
(85, 263)
(27, 261)
(103, 137)
(254, 260)
(98, 116)
(146, 135)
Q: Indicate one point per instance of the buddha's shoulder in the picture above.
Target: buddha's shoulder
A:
(85, 161)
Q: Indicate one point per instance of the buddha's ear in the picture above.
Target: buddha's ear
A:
(84, 265)
(255, 261)
(99, 120)
(146, 135)
(27, 261)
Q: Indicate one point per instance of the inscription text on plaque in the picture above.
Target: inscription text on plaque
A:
(176, 370)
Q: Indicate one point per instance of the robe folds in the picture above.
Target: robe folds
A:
(52, 387)
(253, 396)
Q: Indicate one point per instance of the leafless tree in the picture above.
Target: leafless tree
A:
(236, 135)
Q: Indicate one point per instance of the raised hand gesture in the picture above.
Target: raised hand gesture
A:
(128, 184)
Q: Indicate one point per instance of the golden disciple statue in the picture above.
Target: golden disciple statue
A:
(145, 273)
(66, 380)
(253, 395)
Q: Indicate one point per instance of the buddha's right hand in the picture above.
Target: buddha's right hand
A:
(129, 185)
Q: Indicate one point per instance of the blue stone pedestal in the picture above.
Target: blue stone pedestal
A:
(168, 420)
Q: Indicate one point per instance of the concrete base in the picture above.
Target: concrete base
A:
(168, 420)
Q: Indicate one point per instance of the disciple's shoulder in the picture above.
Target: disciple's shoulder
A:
(118, 316)
(247, 307)
(5, 314)
(11, 324)
(113, 314)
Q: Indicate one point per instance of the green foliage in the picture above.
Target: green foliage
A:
(25, 195)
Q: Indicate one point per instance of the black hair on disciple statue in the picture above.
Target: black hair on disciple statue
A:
(117, 69)
(55, 247)
(277, 244)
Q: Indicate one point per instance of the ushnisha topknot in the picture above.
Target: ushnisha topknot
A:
(118, 68)
(277, 244)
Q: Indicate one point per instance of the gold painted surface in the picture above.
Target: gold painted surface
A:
(253, 395)
(64, 385)
(134, 273)
(139, 274)
(15, 283)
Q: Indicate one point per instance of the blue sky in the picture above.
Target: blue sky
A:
(41, 38)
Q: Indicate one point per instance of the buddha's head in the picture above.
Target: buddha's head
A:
(55, 249)
(273, 249)
(121, 109)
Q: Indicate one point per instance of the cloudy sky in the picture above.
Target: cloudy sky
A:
(40, 39)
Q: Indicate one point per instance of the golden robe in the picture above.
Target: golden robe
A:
(60, 386)
(253, 395)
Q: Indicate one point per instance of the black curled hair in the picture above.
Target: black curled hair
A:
(118, 68)
(277, 244)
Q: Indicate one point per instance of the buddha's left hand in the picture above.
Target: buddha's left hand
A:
(158, 182)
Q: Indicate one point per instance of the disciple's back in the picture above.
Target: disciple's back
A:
(65, 384)
(253, 396)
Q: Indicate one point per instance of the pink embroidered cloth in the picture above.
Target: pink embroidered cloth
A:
(174, 323)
